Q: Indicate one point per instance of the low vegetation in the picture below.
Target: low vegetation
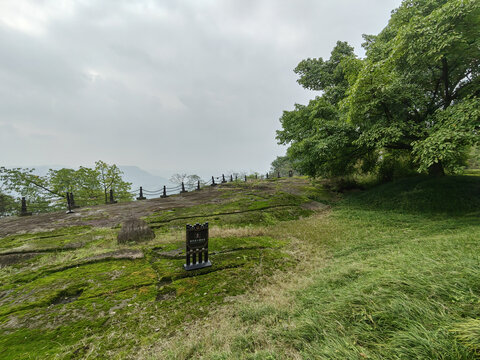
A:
(391, 272)
(75, 292)
(387, 276)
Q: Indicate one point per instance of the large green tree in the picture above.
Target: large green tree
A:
(415, 94)
(321, 141)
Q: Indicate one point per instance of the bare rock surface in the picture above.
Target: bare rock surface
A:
(112, 215)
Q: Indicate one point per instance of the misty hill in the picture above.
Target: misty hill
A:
(139, 177)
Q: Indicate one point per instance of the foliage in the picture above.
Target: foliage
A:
(417, 91)
(282, 164)
(47, 193)
(109, 177)
(473, 160)
(190, 181)
(8, 205)
(321, 142)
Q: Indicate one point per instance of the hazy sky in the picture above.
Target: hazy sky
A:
(171, 86)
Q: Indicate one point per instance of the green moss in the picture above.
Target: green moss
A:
(68, 303)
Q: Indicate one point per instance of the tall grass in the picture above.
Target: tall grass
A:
(396, 276)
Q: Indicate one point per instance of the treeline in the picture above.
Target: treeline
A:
(90, 186)
(410, 105)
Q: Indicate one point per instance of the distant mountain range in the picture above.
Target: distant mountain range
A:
(139, 177)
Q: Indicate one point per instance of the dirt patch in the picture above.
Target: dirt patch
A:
(118, 254)
(112, 215)
(67, 296)
(315, 206)
(12, 259)
(172, 254)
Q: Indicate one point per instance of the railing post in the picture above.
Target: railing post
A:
(112, 199)
(236, 177)
(72, 202)
(141, 197)
(183, 188)
(198, 184)
(213, 181)
(245, 178)
(231, 178)
(23, 210)
(69, 204)
(223, 179)
(164, 195)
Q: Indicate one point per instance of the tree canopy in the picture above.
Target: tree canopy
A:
(414, 96)
(46, 193)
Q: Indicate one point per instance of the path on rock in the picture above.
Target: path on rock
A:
(114, 214)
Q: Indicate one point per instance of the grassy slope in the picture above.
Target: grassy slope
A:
(393, 272)
(398, 278)
(70, 297)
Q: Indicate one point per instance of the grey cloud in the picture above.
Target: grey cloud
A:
(178, 86)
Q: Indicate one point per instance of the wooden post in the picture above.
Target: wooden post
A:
(245, 178)
(23, 210)
(231, 178)
(69, 204)
(141, 197)
(112, 199)
(72, 201)
(267, 175)
(213, 181)
(198, 185)
(183, 188)
(223, 179)
(164, 195)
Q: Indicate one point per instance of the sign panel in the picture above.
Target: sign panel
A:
(197, 247)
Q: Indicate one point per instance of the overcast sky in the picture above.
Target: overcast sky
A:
(170, 86)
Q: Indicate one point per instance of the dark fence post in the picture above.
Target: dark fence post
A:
(236, 177)
(183, 188)
(245, 178)
(72, 202)
(164, 195)
(256, 176)
(223, 179)
(267, 175)
(23, 210)
(198, 184)
(141, 197)
(231, 178)
(69, 204)
(112, 199)
(213, 181)
(290, 173)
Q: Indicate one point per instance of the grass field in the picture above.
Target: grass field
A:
(389, 273)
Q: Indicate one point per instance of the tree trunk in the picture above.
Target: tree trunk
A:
(436, 169)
